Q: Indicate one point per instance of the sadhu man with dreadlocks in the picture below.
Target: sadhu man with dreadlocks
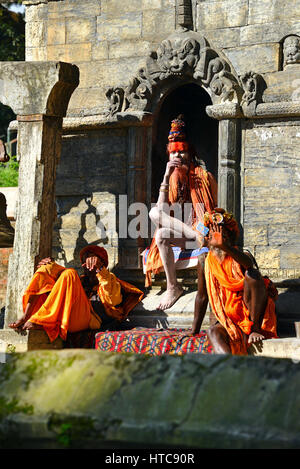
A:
(185, 184)
(241, 299)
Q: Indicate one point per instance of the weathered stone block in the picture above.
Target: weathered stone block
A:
(151, 4)
(113, 8)
(267, 257)
(269, 11)
(282, 86)
(255, 235)
(264, 56)
(157, 24)
(290, 256)
(268, 177)
(284, 234)
(267, 32)
(108, 408)
(35, 33)
(74, 9)
(36, 54)
(99, 50)
(87, 99)
(127, 26)
(80, 30)
(26, 86)
(225, 14)
(70, 52)
(36, 12)
(129, 49)
(56, 32)
(275, 146)
(222, 38)
(104, 74)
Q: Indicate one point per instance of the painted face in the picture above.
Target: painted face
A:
(182, 155)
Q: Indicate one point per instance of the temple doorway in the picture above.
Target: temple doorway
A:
(202, 131)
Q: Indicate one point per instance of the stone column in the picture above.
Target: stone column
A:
(229, 166)
(39, 93)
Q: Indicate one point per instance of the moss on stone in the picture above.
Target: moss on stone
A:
(13, 406)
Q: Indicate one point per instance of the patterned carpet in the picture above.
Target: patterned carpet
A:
(153, 341)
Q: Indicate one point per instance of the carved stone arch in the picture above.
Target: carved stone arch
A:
(183, 57)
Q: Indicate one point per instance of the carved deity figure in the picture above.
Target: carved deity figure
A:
(291, 50)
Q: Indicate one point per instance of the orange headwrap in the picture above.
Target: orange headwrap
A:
(97, 250)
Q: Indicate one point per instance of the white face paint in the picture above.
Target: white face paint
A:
(182, 155)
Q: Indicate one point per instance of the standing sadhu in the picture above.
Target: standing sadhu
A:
(241, 299)
(59, 301)
(185, 184)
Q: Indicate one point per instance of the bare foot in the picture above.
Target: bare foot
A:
(18, 324)
(30, 326)
(170, 297)
(255, 337)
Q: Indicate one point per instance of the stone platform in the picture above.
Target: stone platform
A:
(136, 401)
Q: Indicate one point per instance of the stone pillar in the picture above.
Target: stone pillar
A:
(39, 94)
(229, 166)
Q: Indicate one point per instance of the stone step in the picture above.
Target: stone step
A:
(12, 341)
(180, 315)
(287, 347)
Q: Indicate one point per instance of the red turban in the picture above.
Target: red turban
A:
(97, 251)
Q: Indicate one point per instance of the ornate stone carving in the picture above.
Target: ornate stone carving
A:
(291, 50)
(253, 85)
(181, 58)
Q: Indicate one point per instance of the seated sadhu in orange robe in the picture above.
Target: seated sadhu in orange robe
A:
(187, 185)
(241, 299)
(59, 301)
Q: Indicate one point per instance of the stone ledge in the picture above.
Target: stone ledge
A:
(91, 399)
(12, 341)
(278, 348)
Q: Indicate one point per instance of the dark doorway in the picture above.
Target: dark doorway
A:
(202, 131)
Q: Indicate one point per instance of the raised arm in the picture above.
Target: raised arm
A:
(163, 197)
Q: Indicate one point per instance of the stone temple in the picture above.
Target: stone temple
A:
(94, 100)
(102, 80)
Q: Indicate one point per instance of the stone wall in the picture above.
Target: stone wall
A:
(92, 170)
(271, 195)
(107, 39)
(247, 31)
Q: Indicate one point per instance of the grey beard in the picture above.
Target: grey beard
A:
(219, 253)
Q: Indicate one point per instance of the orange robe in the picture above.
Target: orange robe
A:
(204, 199)
(225, 285)
(63, 306)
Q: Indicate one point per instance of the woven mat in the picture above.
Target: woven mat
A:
(153, 341)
